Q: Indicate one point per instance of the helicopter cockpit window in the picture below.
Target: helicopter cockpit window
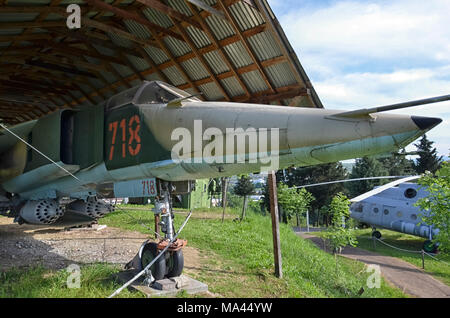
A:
(357, 207)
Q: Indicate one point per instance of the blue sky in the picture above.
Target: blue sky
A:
(372, 53)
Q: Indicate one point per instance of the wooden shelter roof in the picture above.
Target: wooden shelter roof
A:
(230, 50)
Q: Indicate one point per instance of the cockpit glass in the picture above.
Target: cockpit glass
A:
(154, 92)
(122, 98)
(160, 93)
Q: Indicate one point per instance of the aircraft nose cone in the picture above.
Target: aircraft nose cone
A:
(425, 123)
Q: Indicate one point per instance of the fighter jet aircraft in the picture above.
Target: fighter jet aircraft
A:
(152, 139)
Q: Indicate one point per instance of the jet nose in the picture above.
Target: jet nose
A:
(426, 123)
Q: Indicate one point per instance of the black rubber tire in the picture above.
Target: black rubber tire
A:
(149, 252)
(376, 234)
(175, 263)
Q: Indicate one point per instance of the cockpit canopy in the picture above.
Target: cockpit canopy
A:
(149, 92)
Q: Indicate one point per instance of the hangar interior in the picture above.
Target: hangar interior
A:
(227, 50)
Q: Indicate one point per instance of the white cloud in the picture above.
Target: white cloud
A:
(373, 53)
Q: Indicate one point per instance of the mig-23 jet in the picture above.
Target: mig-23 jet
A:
(153, 139)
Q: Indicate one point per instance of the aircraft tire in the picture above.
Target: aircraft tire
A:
(175, 263)
(149, 252)
(376, 234)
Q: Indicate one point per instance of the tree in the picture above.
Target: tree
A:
(366, 167)
(316, 174)
(436, 205)
(339, 235)
(244, 188)
(293, 201)
(428, 159)
(398, 165)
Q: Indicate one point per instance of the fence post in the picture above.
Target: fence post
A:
(423, 259)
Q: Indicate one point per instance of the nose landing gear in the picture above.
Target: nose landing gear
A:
(172, 262)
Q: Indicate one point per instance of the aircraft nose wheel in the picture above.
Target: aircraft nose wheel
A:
(149, 252)
(169, 265)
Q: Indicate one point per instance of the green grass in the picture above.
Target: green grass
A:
(96, 280)
(239, 260)
(437, 269)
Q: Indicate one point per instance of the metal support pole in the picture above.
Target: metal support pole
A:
(224, 196)
(307, 221)
(275, 223)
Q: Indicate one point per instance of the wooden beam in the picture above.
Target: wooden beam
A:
(124, 14)
(246, 44)
(202, 60)
(217, 46)
(271, 180)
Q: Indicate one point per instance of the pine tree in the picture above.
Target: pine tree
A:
(398, 165)
(317, 174)
(244, 188)
(366, 167)
(428, 159)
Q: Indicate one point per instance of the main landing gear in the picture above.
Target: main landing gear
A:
(376, 234)
(172, 262)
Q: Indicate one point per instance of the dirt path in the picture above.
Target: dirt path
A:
(410, 279)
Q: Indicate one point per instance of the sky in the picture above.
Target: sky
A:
(361, 54)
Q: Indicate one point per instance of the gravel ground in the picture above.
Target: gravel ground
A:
(27, 245)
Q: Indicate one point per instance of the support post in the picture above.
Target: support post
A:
(157, 230)
(423, 259)
(307, 221)
(224, 196)
(275, 223)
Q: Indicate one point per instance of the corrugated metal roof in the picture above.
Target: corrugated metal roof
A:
(221, 29)
(246, 16)
(238, 54)
(199, 37)
(280, 75)
(216, 62)
(195, 69)
(174, 75)
(211, 91)
(266, 44)
(254, 81)
(157, 55)
(232, 87)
